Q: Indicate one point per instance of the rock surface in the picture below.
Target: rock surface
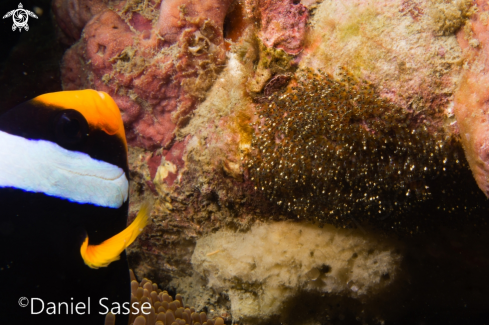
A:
(260, 269)
(471, 104)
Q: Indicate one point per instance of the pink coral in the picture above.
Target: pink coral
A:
(283, 24)
(472, 99)
(156, 64)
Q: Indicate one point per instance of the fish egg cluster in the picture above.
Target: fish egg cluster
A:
(332, 150)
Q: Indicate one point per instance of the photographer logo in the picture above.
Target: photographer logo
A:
(20, 17)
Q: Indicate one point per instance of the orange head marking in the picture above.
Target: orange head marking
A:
(98, 108)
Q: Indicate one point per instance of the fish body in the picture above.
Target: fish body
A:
(63, 184)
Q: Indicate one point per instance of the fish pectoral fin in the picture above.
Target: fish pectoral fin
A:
(96, 256)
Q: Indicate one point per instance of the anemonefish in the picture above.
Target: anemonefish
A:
(63, 209)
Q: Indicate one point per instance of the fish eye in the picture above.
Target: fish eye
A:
(71, 128)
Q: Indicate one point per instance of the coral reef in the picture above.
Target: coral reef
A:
(155, 59)
(189, 78)
(215, 191)
(271, 263)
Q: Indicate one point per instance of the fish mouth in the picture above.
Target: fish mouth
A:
(44, 167)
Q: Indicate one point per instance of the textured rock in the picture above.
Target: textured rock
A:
(399, 46)
(283, 24)
(471, 105)
(259, 270)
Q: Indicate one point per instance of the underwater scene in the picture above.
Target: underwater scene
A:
(250, 162)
